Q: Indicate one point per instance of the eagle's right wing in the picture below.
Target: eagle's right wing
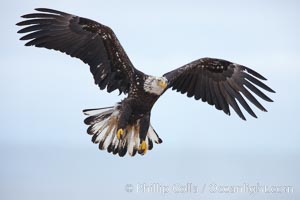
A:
(91, 42)
(220, 83)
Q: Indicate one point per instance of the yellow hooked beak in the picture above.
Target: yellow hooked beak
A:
(162, 84)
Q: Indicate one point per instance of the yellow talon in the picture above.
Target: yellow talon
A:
(120, 132)
(143, 148)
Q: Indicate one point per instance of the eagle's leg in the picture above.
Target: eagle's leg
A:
(120, 132)
(124, 117)
(138, 136)
(144, 127)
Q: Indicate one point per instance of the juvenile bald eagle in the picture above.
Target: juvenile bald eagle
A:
(126, 126)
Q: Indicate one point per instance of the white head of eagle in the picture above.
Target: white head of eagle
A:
(155, 85)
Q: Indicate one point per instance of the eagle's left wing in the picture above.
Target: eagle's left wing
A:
(220, 83)
(93, 43)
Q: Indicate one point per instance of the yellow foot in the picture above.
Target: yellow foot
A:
(143, 148)
(120, 132)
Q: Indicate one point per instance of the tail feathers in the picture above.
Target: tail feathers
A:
(153, 135)
(96, 115)
(103, 128)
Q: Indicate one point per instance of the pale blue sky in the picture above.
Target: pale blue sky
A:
(45, 151)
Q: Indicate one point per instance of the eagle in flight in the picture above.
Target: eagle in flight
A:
(125, 127)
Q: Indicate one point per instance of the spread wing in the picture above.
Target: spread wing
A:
(220, 83)
(91, 42)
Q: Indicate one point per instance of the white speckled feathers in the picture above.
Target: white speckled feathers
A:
(103, 126)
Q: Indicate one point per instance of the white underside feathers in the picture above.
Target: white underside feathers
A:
(103, 126)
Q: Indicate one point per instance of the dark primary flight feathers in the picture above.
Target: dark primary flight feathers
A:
(91, 42)
(219, 82)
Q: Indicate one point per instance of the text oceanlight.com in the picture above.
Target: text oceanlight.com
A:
(212, 188)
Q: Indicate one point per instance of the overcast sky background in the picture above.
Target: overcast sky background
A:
(44, 149)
